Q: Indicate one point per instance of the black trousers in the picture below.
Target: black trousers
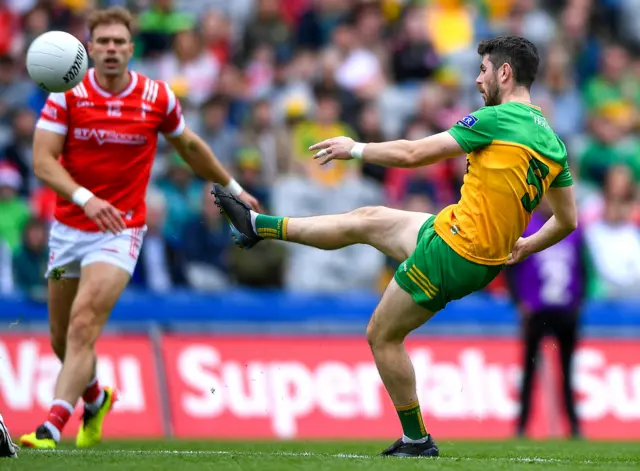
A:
(563, 326)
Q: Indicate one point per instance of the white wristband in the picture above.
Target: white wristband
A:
(234, 187)
(81, 196)
(357, 150)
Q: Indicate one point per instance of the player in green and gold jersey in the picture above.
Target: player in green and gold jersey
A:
(513, 159)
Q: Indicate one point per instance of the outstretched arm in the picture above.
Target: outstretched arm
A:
(401, 153)
(197, 154)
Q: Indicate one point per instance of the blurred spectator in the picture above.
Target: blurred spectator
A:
(413, 57)
(216, 35)
(272, 142)
(356, 68)
(30, 261)
(614, 245)
(613, 83)
(14, 93)
(268, 28)
(14, 211)
(181, 200)
(216, 132)
(369, 27)
(369, 129)
(557, 94)
(584, 48)
(549, 289)
(318, 21)
(19, 152)
(248, 168)
(232, 85)
(619, 183)
(527, 19)
(609, 144)
(260, 71)
(451, 25)
(207, 241)
(36, 22)
(190, 67)
(291, 92)
(158, 24)
(325, 125)
(8, 28)
(161, 263)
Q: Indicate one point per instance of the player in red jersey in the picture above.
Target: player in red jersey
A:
(95, 145)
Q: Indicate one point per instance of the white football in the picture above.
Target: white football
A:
(57, 61)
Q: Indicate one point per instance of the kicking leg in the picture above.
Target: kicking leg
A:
(395, 317)
(391, 231)
(100, 286)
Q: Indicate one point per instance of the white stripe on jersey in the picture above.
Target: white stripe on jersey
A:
(150, 92)
(171, 102)
(59, 99)
(146, 90)
(80, 91)
(51, 126)
(154, 92)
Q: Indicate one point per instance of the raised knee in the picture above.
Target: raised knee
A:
(363, 221)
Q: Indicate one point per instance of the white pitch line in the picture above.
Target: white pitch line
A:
(293, 454)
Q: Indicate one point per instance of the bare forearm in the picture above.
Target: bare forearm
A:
(549, 234)
(202, 160)
(408, 154)
(390, 154)
(50, 172)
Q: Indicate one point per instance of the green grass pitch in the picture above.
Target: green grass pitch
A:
(301, 456)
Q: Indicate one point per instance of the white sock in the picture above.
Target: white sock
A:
(95, 405)
(254, 215)
(409, 440)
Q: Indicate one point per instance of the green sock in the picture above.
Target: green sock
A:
(272, 227)
(411, 420)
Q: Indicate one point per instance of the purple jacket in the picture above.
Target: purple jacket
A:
(551, 279)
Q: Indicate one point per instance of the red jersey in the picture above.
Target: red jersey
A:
(111, 142)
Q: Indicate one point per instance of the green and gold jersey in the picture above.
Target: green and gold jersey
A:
(513, 157)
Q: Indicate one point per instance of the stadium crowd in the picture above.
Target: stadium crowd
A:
(261, 80)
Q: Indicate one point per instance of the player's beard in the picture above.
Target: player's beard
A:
(492, 95)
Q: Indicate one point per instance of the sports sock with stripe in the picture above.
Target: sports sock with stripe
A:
(412, 423)
(270, 227)
(93, 396)
(58, 416)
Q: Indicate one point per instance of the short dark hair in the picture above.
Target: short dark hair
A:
(520, 53)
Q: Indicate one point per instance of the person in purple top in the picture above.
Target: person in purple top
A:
(548, 289)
